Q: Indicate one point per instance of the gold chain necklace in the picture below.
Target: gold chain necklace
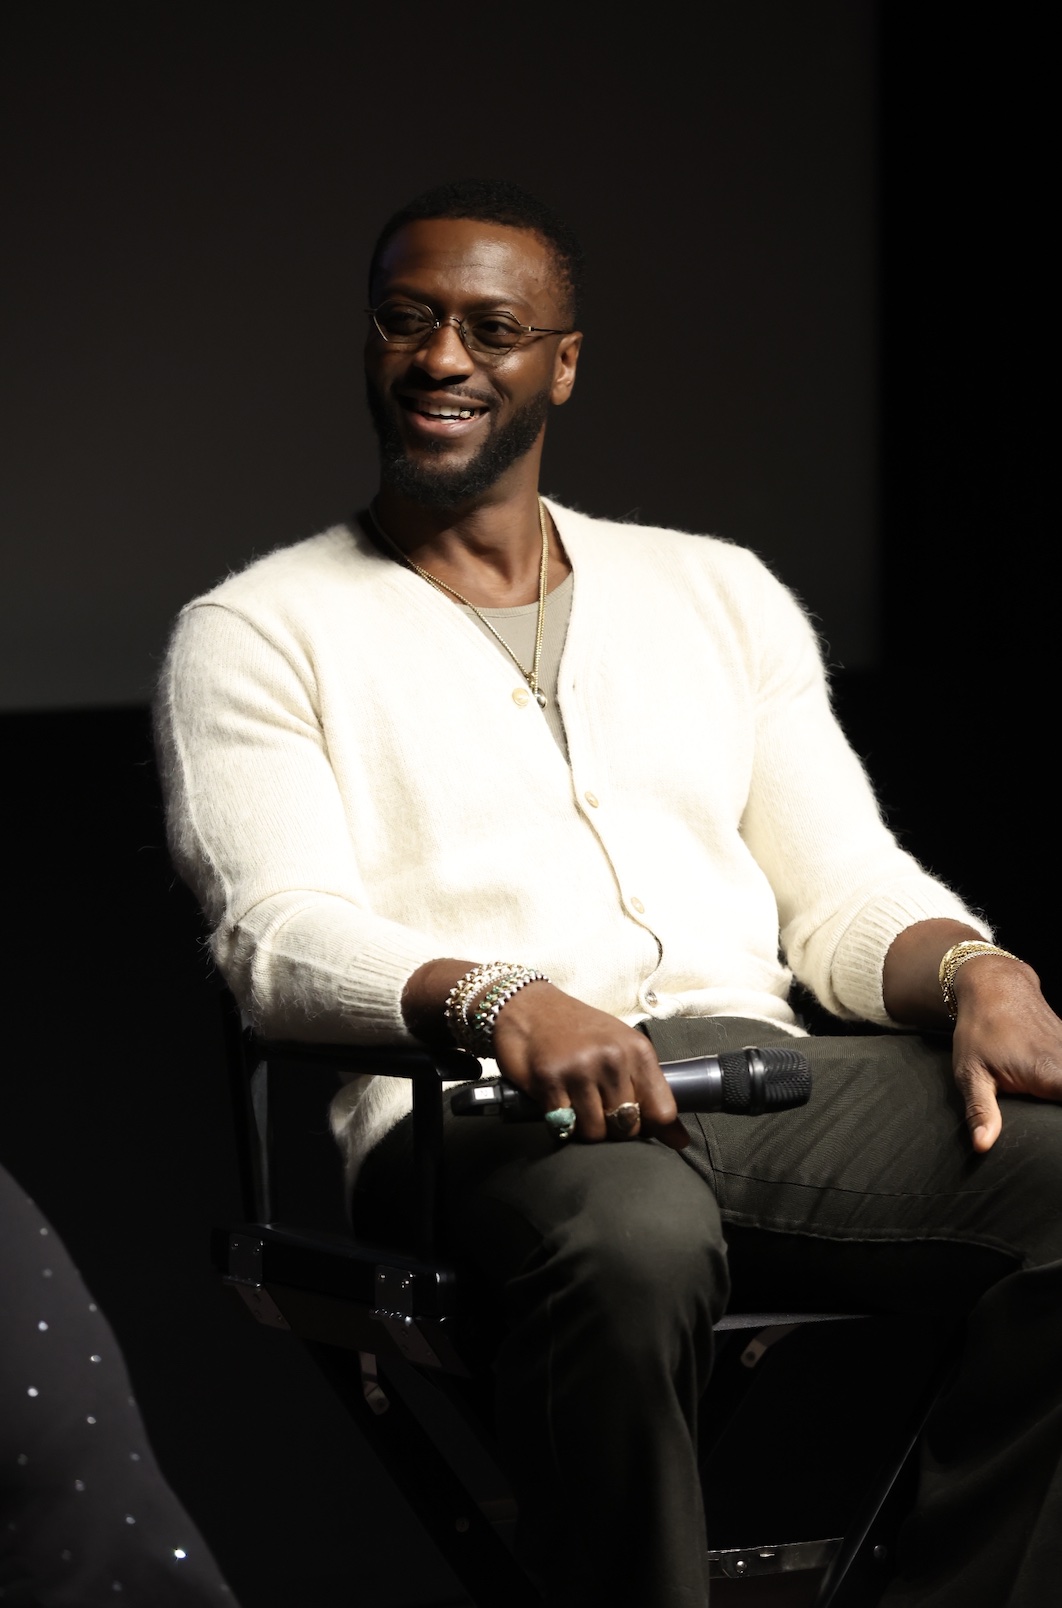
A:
(530, 676)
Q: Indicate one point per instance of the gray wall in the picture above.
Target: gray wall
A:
(190, 205)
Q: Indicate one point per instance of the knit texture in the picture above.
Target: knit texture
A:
(352, 790)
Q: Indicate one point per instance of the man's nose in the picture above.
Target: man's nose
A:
(443, 352)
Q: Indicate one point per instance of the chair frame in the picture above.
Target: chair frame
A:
(402, 1315)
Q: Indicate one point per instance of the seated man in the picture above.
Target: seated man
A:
(476, 768)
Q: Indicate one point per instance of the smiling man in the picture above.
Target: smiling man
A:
(478, 769)
(448, 434)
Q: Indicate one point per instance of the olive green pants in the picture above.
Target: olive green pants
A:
(611, 1263)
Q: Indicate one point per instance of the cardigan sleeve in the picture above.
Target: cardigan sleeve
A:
(257, 829)
(844, 886)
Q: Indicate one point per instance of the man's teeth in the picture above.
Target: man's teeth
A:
(449, 413)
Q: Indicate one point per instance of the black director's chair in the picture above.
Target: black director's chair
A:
(401, 1339)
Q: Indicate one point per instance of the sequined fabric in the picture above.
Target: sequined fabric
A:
(86, 1517)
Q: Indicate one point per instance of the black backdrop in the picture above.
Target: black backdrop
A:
(112, 1109)
(192, 204)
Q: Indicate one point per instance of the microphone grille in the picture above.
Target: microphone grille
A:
(737, 1083)
(786, 1080)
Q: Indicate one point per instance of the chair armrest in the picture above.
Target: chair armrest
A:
(381, 1060)
(428, 1070)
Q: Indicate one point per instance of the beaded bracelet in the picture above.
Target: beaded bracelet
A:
(460, 998)
(493, 984)
(957, 956)
(487, 1014)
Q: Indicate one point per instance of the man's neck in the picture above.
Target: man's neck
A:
(489, 551)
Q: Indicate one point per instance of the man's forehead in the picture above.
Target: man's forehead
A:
(469, 256)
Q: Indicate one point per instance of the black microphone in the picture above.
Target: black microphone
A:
(739, 1082)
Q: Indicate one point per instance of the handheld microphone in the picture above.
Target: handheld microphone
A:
(739, 1082)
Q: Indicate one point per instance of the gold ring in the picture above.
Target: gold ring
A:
(625, 1120)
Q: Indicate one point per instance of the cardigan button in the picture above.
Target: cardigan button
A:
(521, 697)
(592, 800)
(636, 904)
(650, 997)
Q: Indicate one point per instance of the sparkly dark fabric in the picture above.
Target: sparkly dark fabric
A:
(86, 1517)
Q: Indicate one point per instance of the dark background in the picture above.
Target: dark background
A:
(854, 198)
(194, 203)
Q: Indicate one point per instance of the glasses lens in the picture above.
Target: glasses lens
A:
(403, 322)
(492, 333)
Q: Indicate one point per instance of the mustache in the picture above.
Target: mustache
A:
(445, 393)
(439, 486)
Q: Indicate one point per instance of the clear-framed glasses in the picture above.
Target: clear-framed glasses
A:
(490, 335)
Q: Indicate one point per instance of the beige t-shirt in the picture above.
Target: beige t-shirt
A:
(517, 628)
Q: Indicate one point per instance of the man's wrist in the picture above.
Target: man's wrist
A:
(424, 1001)
(958, 956)
(473, 1004)
(991, 975)
(910, 980)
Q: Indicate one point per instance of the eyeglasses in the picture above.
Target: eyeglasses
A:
(489, 335)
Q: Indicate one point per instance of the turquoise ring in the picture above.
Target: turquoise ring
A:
(562, 1121)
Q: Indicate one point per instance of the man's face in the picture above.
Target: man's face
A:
(459, 268)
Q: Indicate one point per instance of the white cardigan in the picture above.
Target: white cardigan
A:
(356, 785)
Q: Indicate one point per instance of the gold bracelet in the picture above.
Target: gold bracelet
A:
(957, 956)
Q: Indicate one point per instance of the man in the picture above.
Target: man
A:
(420, 761)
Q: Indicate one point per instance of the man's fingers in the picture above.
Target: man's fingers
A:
(562, 1052)
(659, 1111)
(653, 1092)
(589, 1109)
(983, 1116)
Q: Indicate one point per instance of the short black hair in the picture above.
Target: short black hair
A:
(495, 201)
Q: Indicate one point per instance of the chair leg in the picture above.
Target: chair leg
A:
(861, 1568)
(452, 1517)
(860, 1571)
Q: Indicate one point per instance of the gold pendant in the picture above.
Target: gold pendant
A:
(541, 699)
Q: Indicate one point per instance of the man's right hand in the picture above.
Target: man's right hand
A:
(559, 1051)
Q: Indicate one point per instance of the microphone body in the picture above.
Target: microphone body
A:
(744, 1082)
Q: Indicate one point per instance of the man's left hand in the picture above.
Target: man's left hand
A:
(1008, 1040)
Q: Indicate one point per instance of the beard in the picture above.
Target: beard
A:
(445, 488)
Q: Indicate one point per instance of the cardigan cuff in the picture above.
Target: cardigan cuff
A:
(859, 960)
(370, 996)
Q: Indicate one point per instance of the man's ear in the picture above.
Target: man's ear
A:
(564, 366)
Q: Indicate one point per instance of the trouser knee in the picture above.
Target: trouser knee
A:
(644, 1274)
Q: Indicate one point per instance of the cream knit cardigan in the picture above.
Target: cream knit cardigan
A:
(356, 784)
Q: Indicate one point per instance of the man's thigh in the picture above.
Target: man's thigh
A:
(512, 1193)
(872, 1194)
